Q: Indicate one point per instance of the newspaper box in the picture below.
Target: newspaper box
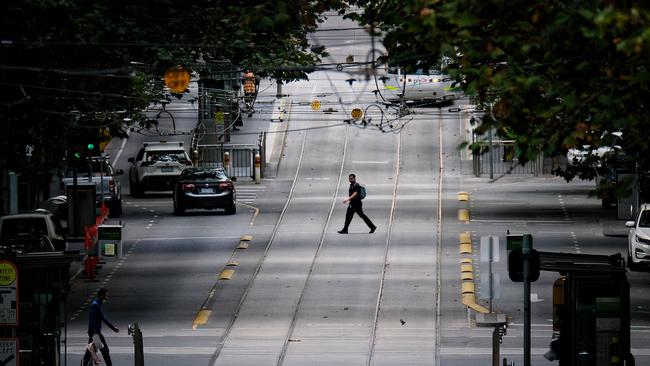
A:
(109, 240)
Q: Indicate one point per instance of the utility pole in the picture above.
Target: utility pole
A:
(526, 251)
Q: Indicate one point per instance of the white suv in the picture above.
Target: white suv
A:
(157, 166)
(638, 249)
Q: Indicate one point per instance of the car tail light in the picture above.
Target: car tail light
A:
(225, 185)
(188, 186)
(111, 185)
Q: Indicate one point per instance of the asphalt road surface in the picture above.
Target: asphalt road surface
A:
(300, 293)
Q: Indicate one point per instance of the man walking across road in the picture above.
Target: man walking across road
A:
(355, 205)
(95, 319)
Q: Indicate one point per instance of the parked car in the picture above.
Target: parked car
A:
(107, 185)
(28, 225)
(27, 244)
(206, 188)
(58, 206)
(157, 166)
(638, 238)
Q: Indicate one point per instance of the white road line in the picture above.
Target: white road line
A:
(524, 221)
(184, 238)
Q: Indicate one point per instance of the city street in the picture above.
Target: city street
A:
(302, 294)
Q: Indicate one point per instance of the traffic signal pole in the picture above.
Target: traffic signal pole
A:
(525, 251)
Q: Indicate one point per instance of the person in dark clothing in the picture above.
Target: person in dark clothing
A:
(95, 319)
(355, 205)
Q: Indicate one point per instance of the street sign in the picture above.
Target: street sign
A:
(514, 241)
(177, 79)
(109, 239)
(490, 281)
(9, 351)
(8, 293)
(315, 105)
(357, 113)
(218, 118)
(489, 248)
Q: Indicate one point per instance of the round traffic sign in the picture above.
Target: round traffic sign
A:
(8, 273)
(315, 105)
(357, 113)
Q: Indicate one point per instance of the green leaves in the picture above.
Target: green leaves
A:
(547, 67)
(96, 58)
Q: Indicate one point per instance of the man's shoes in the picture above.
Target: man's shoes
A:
(373, 229)
(343, 231)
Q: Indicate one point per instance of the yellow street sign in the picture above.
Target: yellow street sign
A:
(218, 118)
(177, 79)
(357, 113)
(315, 105)
(8, 273)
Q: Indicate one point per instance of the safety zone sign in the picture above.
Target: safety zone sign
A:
(8, 294)
(8, 351)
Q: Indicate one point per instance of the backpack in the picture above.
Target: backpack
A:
(362, 191)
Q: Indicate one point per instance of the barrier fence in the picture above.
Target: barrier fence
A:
(502, 158)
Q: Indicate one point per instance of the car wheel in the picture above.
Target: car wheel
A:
(136, 190)
(178, 209)
(630, 263)
(115, 209)
(231, 210)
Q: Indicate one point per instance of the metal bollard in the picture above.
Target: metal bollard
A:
(258, 168)
(138, 347)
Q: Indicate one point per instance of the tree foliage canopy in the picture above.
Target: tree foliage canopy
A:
(69, 67)
(557, 74)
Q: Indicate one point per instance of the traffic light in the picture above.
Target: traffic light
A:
(75, 153)
(79, 152)
(516, 265)
(91, 149)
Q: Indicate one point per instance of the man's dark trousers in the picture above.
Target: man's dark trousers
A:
(358, 208)
(105, 352)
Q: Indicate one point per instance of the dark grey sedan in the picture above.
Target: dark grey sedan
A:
(205, 188)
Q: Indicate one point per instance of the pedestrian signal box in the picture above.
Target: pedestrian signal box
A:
(516, 265)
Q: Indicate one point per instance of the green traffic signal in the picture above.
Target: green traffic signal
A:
(77, 155)
(90, 146)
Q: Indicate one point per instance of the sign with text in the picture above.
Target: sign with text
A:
(9, 351)
(8, 293)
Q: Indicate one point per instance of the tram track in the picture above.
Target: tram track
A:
(228, 328)
(293, 317)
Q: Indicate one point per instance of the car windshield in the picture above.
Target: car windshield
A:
(28, 243)
(20, 227)
(165, 156)
(644, 220)
(96, 167)
(203, 174)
